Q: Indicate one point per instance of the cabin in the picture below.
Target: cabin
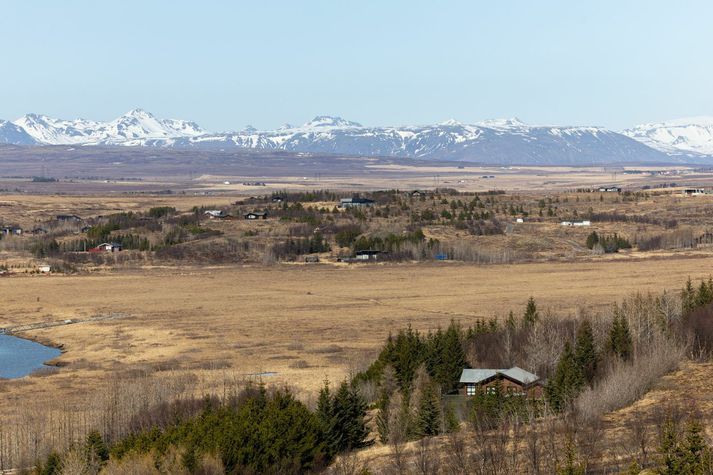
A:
(107, 247)
(256, 215)
(368, 255)
(610, 189)
(45, 268)
(355, 202)
(68, 218)
(514, 381)
(11, 231)
(576, 223)
(694, 192)
(215, 213)
(312, 259)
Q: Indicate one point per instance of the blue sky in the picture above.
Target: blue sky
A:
(226, 64)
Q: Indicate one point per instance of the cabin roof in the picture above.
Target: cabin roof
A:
(479, 375)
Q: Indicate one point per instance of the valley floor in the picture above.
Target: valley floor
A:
(303, 323)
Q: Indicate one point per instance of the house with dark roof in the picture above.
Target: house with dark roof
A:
(107, 247)
(68, 217)
(256, 215)
(355, 202)
(513, 381)
(11, 230)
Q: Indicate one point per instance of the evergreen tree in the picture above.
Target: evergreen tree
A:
(429, 412)
(620, 342)
(96, 450)
(450, 419)
(452, 359)
(325, 416)
(564, 386)
(585, 352)
(696, 455)
(592, 240)
(570, 466)
(531, 315)
(349, 430)
(688, 298)
(53, 465)
(510, 322)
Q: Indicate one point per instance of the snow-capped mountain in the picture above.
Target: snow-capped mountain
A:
(502, 141)
(14, 135)
(499, 141)
(692, 135)
(130, 129)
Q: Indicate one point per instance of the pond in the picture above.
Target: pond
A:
(20, 357)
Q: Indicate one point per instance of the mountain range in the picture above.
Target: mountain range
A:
(502, 141)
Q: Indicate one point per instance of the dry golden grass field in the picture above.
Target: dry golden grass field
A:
(302, 322)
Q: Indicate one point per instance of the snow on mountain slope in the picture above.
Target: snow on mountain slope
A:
(129, 129)
(500, 141)
(14, 135)
(693, 134)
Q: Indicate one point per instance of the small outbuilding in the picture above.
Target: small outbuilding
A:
(256, 215)
(11, 231)
(355, 202)
(215, 213)
(68, 218)
(368, 255)
(107, 247)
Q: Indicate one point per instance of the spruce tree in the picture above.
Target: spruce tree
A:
(564, 386)
(688, 298)
(325, 416)
(349, 429)
(452, 359)
(620, 342)
(429, 412)
(695, 453)
(531, 315)
(585, 352)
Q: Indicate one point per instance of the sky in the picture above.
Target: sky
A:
(226, 64)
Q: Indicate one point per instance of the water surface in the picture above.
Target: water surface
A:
(20, 357)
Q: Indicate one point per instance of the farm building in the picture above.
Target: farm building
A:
(694, 192)
(68, 218)
(576, 223)
(107, 247)
(256, 215)
(215, 213)
(277, 199)
(355, 202)
(513, 381)
(11, 231)
(610, 189)
(367, 255)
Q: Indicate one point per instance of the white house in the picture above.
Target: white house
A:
(215, 213)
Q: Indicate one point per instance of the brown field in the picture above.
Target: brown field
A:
(303, 322)
(193, 320)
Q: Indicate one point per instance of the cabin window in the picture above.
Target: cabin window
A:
(470, 389)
